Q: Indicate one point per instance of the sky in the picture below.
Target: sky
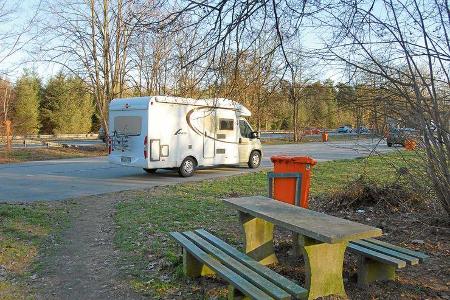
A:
(14, 65)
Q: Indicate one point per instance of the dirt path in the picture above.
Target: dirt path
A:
(85, 265)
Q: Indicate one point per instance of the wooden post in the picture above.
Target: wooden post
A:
(8, 133)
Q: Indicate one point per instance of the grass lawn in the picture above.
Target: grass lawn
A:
(151, 261)
(152, 258)
(24, 231)
(29, 154)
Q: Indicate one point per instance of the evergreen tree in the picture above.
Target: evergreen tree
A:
(26, 106)
(67, 106)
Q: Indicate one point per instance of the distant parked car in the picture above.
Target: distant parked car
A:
(398, 136)
(362, 129)
(345, 129)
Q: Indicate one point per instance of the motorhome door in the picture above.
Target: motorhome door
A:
(209, 132)
(245, 143)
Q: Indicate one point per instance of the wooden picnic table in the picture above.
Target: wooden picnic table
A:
(322, 239)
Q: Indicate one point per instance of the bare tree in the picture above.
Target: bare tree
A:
(92, 40)
(151, 53)
(405, 44)
(13, 37)
(6, 99)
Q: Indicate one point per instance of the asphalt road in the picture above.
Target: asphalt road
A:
(70, 178)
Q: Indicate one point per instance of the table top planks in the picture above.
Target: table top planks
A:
(319, 226)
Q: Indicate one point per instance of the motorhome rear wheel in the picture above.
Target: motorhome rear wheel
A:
(187, 167)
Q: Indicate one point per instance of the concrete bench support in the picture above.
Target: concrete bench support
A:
(323, 264)
(258, 239)
(370, 270)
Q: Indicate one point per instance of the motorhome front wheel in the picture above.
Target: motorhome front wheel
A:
(254, 160)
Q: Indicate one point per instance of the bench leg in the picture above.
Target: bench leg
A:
(193, 268)
(235, 294)
(370, 270)
(323, 264)
(258, 239)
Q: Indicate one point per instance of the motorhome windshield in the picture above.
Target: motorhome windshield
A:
(128, 125)
(245, 128)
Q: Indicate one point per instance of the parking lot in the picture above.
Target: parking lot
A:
(69, 178)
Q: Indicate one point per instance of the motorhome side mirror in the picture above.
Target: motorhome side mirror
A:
(255, 135)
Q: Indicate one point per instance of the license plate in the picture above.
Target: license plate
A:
(125, 159)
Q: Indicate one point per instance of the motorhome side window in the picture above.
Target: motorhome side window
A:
(129, 125)
(226, 124)
(245, 129)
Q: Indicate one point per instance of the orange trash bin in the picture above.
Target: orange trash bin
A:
(324, 137)
(291, 179)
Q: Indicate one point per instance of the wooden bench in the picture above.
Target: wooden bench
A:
(204, 254)
(379, 260)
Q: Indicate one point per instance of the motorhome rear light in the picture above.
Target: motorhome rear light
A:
(145, 147)
(109, 146)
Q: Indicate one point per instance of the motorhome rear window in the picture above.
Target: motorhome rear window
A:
(130, 125)
(226, 124)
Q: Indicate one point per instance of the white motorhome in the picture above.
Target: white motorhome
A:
(160, 132)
